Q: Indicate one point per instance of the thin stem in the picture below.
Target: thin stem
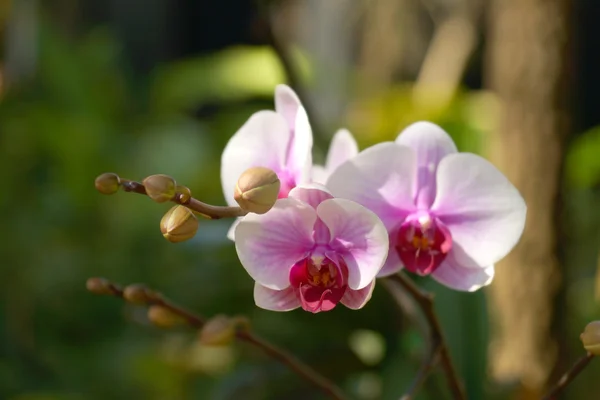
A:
(432, 355)
(425, 302)
(426, 367)
(300, 368)
(568, 377)
(207, 210)
(294, 364)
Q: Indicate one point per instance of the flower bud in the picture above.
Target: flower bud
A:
(163, 317)
(108, 183)
(221, 329)
(137, 294)
(99, 286)
(591, 338)
(185, 194)
(179, 224)
(160, 188)
(257, 190)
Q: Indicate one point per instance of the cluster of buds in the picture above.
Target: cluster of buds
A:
(220, 330)
(256, 192)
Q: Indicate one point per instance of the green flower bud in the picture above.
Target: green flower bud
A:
(257, 190)
(591, 338)
(108, 183)
(163, 317)
(179, 224)
(160, 188)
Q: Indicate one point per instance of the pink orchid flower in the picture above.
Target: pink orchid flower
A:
(342, 148)
(312, 251)
(280, 140)
(452, 215)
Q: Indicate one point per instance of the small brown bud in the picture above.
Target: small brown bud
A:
(163, 317)
(221, 329)
(138, 294)
(99, 286)
(185, 194)
(160, 188)
(108, 183)
(179, 224)
(218, 331)
(591, 338)
(257, 190)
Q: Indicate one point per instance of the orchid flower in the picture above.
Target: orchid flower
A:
(342, 148)
(280, 140)
(312, 251)
(449, 214)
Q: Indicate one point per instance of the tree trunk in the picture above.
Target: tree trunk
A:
(527, 67)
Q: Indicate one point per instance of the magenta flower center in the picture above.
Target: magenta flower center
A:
(319, 283)
(423, 242)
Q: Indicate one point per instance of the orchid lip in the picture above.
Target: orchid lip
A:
(319, 283)
(423, 243)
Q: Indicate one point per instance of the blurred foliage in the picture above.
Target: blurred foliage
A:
(84, 114)
(583, 161)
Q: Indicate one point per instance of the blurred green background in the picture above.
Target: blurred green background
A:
(143, 87)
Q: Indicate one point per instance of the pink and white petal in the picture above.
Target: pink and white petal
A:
(319, 174)
(483, 210)
(261, 141)
(287, 104)
(356, 299)
(275, 300)
(268, 245)
(299, 158)
(461, 278)
(312, 194)
(342, 148)
(358, 236)
(392, 263)
(430, 144)
(231, 231)
(381, 179)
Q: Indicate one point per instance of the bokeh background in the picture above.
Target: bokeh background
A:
(141, 87)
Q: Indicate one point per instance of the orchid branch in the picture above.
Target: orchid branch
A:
(432, 355)
(207, 210)
(569, 376)
(142, 295)
(163, 188)
(438, 343)
(426, 367)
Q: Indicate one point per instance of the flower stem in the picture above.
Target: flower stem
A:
(294, 364)
(300, 368)
(437, 341)
(568, 377)
(426, 367)
(207, 210)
